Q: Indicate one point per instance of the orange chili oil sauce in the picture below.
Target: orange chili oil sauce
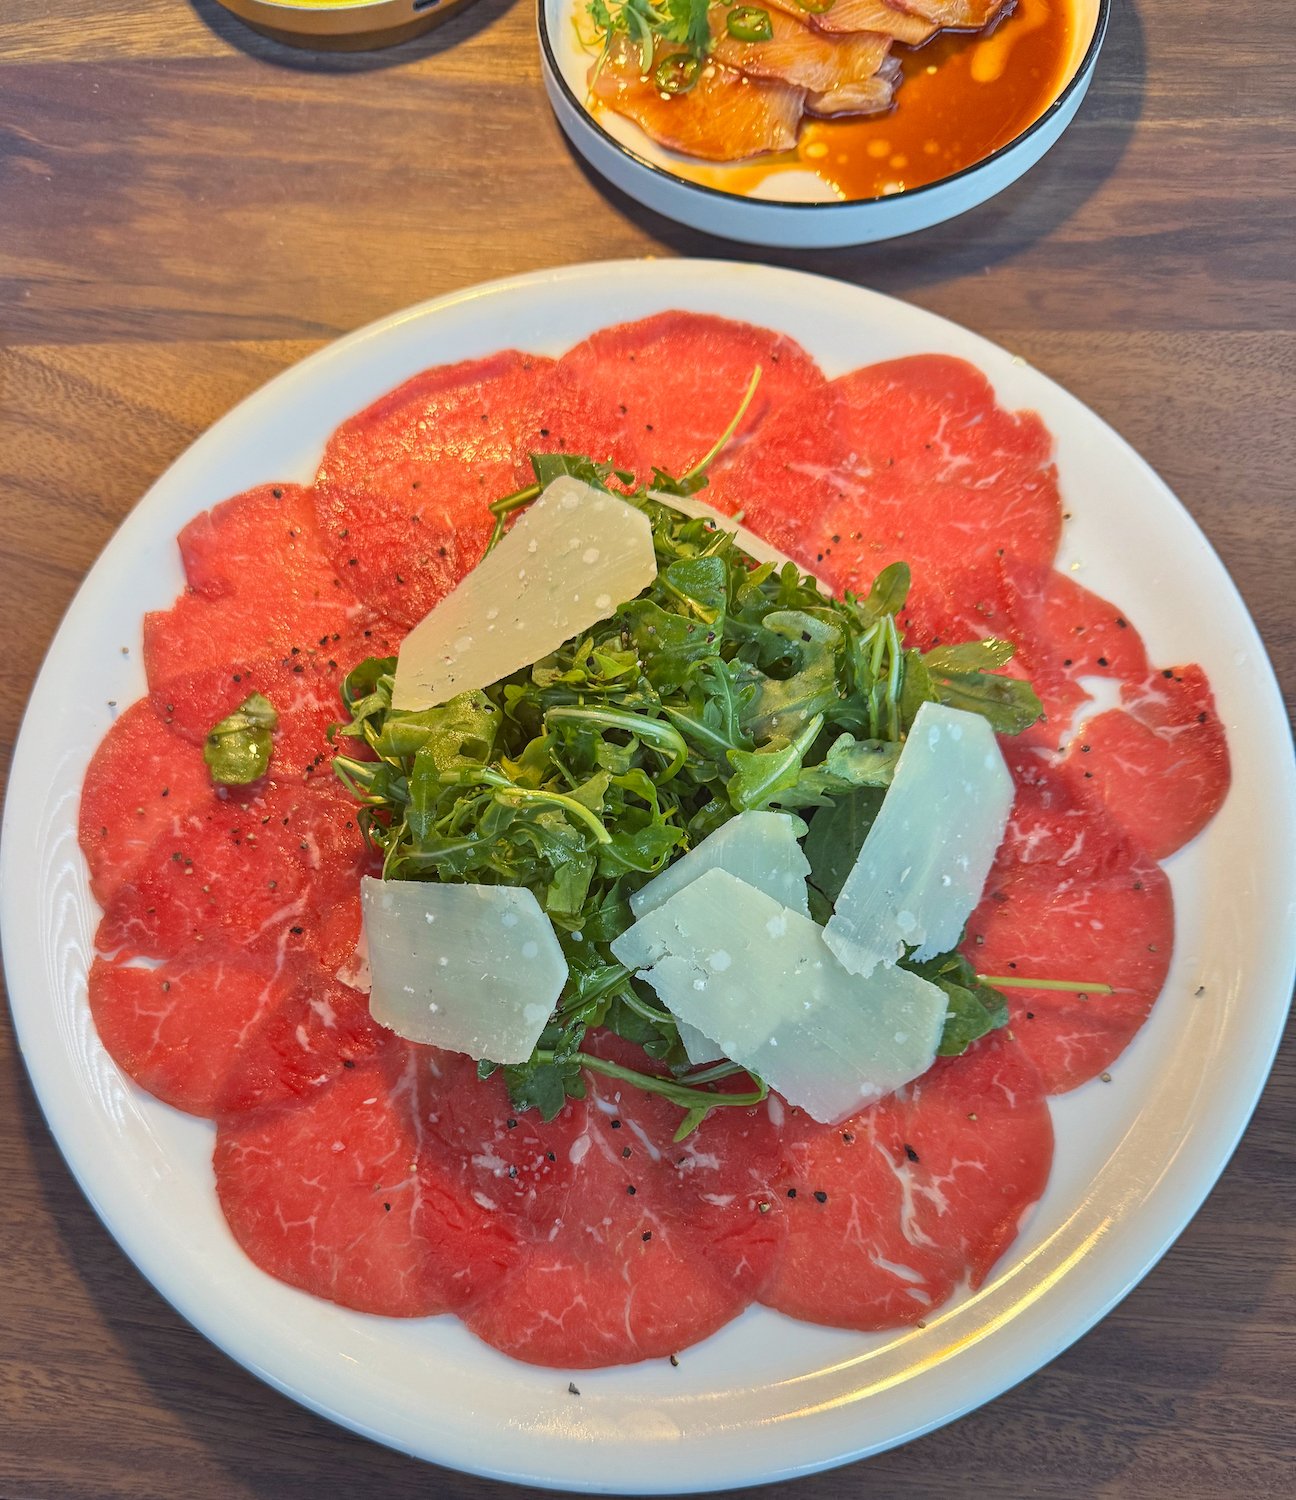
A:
(964, 95)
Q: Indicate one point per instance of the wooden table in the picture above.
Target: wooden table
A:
(186, 208)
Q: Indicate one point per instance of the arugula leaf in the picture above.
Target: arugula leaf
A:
(965, 677)
(850, 763)
(836, 836)
(760, 775)
(889, 591)
(974, 1012)
(550, 466)
(546, 1083)
(975, 1009)
(238, 749)
(783, 705)
(456, 734)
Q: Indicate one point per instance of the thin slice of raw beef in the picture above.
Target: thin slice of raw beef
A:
(142, 781)
(1051, 824)
(673, 382)
(1066, 636)
(515, 1165)
(658, 1243)
(1159, 765)
(890, 1212)
(260, 584)
(176, 1029)
(941, 474)
(945, 608)
(786, 474)
(910, 460)
(274, 871)
(299, 1044)
(1112, 925)
(251, 536)
(404, 486)
(344, 1196)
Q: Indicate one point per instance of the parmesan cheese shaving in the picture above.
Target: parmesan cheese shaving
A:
(573, 557)
(758, 979)
(759, 848)
(471, 968)
(924, 863)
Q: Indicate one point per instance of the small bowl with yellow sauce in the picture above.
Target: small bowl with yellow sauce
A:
(343, 25)
(766, 134)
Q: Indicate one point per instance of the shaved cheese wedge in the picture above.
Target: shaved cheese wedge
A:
(698, 1048)
(759, 980)
(923, 865)
(752, 544)
(572, 558)
(471, 968)
(760, 848)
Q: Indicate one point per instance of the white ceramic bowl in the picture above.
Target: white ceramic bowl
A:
(621, 152)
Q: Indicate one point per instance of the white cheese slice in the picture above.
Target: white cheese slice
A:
(698, 1048)
(760, 848)
(758, 979)
(573, 557)
(924, 863)
(755, 546)
(471, 968)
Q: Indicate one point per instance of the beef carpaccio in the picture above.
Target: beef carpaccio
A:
(390, 1178)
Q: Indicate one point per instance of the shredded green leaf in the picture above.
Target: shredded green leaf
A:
(237, 750)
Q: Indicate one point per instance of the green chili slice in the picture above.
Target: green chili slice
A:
(677, 73)
(816, 7)
(750, 23)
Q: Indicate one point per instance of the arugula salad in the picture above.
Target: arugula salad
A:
(728, 685)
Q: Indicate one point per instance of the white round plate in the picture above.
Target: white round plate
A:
(789, 217)
(766, 1397)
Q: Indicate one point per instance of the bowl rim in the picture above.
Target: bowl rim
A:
(1076, 81)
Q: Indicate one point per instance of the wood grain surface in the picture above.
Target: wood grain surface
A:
(186, 208)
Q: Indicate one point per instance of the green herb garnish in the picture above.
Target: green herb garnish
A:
(682, 26)
(237, 750)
